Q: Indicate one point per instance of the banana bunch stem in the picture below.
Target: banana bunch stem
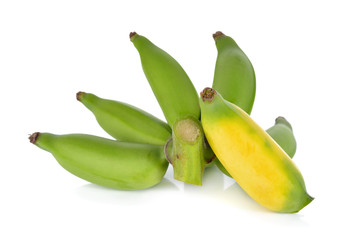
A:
(187, 156)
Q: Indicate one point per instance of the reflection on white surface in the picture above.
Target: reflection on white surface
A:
(96, 193)
(217, 189)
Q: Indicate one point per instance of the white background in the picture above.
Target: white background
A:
(302, 54)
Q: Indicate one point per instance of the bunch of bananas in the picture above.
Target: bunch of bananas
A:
(215, 128)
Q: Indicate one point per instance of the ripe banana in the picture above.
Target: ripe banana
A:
(234, 75)
(125, 122)
(170, 84)
(282, 133)
(251, 156)
(106, 162)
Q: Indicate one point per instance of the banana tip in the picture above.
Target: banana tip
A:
(217, 35)
(79, 95)
(208, 94)
(33, 137)
(284, 121)
(132, 35)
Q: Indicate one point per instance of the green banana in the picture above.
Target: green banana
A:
(120, 165)
(282, 133)
(125, 122)
(251, 156)
(171, 85)
(178, 100)
(234, 75)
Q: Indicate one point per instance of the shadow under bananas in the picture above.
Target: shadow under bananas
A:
(105, 195)
(217, 186)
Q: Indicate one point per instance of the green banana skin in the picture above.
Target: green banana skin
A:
(282, 133)
(109, 163)
(170, 84)
(125, 122)
(234, 75)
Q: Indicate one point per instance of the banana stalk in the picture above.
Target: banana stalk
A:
(188, 155)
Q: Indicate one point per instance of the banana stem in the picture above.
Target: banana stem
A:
(188, 151)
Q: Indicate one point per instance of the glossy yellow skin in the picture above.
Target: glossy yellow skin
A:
(282, 133)
(252, 157)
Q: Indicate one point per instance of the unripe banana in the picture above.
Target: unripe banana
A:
(234, 75)
(251, 156)
(106, 162)
(125, 122)
(170, 84)
(282, 133)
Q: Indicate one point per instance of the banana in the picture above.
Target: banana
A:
(171, 85)
(178, 100)
(120, 165)
(251, 156)
(234, 76)
(125, 122)
(282, 133)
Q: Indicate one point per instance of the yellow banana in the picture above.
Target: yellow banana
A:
(282, 133)
(251, 156)
(106, 162)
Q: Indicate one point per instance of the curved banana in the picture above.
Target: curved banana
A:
(170, 84)
(282, 133)
(106, 162)
(234, 75)
(251, 156)
(125, 122)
